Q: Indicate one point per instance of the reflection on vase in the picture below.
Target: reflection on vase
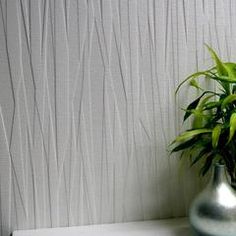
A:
(213, 212)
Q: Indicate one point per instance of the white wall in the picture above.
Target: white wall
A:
(87, 106)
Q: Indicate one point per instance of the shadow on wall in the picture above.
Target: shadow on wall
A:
(157, 187)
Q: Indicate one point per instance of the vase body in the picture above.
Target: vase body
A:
(213, 212)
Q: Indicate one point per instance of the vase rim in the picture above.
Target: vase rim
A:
(219, 164)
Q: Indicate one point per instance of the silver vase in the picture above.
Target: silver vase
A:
(213, 212)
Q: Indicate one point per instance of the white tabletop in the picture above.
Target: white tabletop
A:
(172, 227)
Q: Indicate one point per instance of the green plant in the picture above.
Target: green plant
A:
(212, 136)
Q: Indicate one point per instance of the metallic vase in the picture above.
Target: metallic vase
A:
(213, 212)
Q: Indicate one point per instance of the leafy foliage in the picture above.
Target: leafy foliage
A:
(212, 136)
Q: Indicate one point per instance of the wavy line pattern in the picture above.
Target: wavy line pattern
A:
(87, 107)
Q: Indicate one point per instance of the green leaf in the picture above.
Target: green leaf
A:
(216, 135)
(195, 75)
(223, 69)
(212, 135)
(184, 145)
(224, 79)
(231, 69)
(195, 84)
(211, 105)
(207, 164)
(203, 152)
(194, 104)
(232, 126)
(191, 106)
(203, 102)
(191, 133)
(234, 89)
(229, 99)
(225, 82)
(198, 118)
(219, 64)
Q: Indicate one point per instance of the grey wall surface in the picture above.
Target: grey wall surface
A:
(87, 106)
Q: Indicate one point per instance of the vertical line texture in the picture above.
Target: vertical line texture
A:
(87, 106)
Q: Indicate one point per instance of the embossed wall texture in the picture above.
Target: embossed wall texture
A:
(87, 106)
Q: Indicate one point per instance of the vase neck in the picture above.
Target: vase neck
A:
(219, 174)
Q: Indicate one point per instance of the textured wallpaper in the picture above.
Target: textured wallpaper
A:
(87, 106)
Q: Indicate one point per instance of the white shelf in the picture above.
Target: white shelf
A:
(172, 227)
